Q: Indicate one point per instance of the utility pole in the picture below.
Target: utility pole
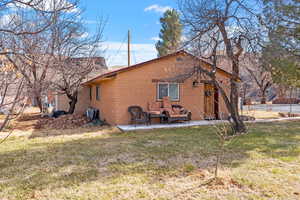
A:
(128, 48)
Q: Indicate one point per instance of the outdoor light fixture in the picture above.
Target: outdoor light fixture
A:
(195, 83)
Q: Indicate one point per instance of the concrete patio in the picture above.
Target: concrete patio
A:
(172, 125)
(192, 123)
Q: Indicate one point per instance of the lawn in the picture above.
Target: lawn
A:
(261, 114)
(158, 164)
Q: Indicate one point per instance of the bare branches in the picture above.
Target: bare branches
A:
(23, 17)
(76, 56)
(221, 29)
(24, 25)
(11, 94)
(261, 77)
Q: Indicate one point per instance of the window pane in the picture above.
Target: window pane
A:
(98, 92)
(162, 90)
(91, 90)
(174, 91)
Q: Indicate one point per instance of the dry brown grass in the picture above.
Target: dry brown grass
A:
(261, 114)
(103, 163)
(94, 163)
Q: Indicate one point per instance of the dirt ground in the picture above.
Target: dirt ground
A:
(28, 124)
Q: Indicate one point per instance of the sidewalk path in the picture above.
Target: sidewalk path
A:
(193, 123)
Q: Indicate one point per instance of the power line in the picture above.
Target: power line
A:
(118, 51)
(134, 56)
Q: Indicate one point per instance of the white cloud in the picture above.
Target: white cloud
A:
(5, 19)
(90, 21)
(155, 39)
(116, 53)
(232, 30)
(184, 38)
(157, 8)
(84, 35)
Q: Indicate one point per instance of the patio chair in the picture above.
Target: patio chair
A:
(156, 111)
(138, 115)
(155, 108)
(175, 112)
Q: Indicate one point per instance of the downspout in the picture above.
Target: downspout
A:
(56, 102)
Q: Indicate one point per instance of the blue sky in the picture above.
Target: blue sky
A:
(141, 17)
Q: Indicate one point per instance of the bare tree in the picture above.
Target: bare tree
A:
(11, 96)
(223, 132)
(76, 56)
(34, 63)
(221, 27)
(259, 75)
(17, 20)
(32, 53)
(245, 87)
(226, 137)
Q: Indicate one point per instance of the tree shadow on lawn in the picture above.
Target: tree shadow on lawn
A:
(52, 163)
(279, 140)
(75, 131)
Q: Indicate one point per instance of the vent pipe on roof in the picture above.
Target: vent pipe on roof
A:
(128, 48)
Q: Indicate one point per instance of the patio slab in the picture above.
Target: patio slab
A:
(192, 123)
(172, 125)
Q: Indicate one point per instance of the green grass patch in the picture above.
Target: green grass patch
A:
(157, 164)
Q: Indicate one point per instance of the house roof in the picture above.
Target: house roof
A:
(124, 69)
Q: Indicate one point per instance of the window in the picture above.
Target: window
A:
(91, 93)
(163, 90)
(97, 92)
(174, 91)
(179, 59)
(168, 89)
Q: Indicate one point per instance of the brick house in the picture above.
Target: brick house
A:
(113, 92)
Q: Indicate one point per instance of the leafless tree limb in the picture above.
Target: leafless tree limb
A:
(221, 28)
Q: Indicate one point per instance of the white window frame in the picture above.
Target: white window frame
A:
(168, 83)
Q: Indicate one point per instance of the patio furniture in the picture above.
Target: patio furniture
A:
(155, 111)
(155, 108)
(175, 112)
(162, 117)
(138, 115)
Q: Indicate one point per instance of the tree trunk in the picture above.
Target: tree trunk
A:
(217, 164)
(238, 124)
(73, 102)
(281, 91)
(219, 157)
(232, 106)
(263, 99)
(39, 102)
(72, 106)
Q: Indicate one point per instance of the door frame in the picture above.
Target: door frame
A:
(215, 99)
(216, 103)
